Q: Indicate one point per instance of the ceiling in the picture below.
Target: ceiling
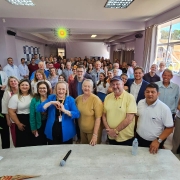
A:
(82, 17)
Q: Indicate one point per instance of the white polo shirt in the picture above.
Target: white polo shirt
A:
(153, 119)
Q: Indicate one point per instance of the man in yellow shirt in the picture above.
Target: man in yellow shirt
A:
(118, 115)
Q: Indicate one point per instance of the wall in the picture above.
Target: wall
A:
(82, 49)
(139, 49)
(19, 48)
(3, 51)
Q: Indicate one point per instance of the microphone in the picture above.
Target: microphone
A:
(63, 162)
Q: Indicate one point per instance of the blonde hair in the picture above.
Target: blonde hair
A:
(8, 84)
(67, 87)
(40, 72)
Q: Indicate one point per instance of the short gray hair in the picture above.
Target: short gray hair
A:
(66, 84)
(88, 80)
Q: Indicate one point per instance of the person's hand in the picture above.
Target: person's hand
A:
(61, 107)
(93, 141)
(21, 126)
(111, 133)
(3, 87)
(154, 147)
(9, 123)
(56, 103)
(35, 132)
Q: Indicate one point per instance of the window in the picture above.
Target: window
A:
(168, 45)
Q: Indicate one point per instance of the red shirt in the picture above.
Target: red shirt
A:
(57, 65)
(32, 68)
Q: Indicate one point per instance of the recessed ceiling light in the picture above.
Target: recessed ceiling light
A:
(93, 36)
(21, 2)
(118, 3)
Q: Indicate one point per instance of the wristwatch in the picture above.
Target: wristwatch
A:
(159, 140)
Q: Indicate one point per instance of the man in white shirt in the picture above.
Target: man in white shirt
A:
(11, 70)
(155, 121)
(161, 69)
(116, 66)
(23, 69)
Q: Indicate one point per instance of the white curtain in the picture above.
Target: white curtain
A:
(150, 47)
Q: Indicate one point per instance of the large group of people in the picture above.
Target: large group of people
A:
(60, 101)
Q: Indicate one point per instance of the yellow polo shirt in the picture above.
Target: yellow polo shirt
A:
(116, 110)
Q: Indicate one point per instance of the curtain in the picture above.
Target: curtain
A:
(128, 56)
(149, 47)
(116, 55)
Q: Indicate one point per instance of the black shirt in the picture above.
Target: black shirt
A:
(150, 79)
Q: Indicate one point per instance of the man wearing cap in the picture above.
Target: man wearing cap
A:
(118, 116)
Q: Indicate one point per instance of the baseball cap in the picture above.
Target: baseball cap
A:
(116, 78)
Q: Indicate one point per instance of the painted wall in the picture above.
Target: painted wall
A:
(19, 48)
(82, 49)
(139, 49)
(3, 52)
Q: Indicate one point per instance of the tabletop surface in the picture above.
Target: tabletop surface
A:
(87, 162)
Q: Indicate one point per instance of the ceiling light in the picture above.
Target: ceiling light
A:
(118, 3)
(93, 36)
(21, 2)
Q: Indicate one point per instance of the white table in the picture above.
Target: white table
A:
(89, 163)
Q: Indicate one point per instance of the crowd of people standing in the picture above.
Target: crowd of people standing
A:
(51, 100)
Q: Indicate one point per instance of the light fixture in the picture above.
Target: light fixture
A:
(21, 2)
(93, 36)
(122, 4)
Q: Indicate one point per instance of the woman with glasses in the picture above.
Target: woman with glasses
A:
(61, 110)
(19, 110)
(37, 119)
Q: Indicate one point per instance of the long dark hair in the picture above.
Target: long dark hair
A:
(37, 95)
(104, 82)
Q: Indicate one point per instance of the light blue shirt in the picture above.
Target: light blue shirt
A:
(96, 74)
(169, 95)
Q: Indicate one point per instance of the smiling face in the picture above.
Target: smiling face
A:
(87, 87)
(39, 76)
(167, 76)
(124, 78)
(138, 74)
(24, 87)
(117, 87)
(61, 90)
(42, 90)
(13, 83)
(101, 77)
